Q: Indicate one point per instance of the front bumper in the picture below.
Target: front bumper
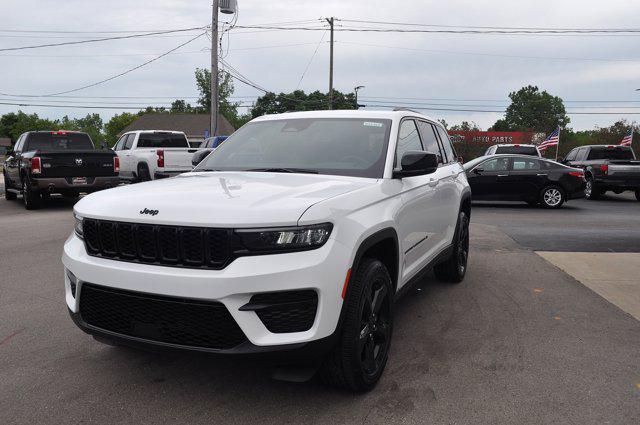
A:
(63, 184)
(322, 270)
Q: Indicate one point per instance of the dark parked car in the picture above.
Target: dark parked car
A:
(513, 149)
(206, 148)
(524, 178)
(606, 167)
(65, 162)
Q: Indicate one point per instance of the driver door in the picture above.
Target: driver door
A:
(489, 179)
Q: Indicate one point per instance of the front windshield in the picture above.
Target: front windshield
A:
(337, 146)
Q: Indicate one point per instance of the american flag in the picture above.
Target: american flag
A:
(552, 140)
(627, 139)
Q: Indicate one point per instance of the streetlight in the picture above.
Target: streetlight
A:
(355, 89)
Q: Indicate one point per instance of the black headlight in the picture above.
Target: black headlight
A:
(283, 239)
(78, 226)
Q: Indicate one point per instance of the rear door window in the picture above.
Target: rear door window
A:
(128, 142)
(525, 164)
(446, 144)
(522, 150)
(162, 140)
(571, 155)
(56, 141)
(610, 153)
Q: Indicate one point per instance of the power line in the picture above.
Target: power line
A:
(114, 76)
(502, 111)
(311, 60)
(466, 53)
(95, 40)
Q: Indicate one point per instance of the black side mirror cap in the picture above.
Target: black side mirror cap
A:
(416, 163)
(478, 170)
(199, 156)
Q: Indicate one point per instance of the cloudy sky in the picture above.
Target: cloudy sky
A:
(444, 71)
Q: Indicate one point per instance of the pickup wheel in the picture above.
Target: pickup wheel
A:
(31, 198)
(454, 269)
(143, 173)
(552, 197)
(591, 191)
(360, 356)
(9, 196)
(638, 194)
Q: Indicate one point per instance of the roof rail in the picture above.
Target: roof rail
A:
(400, 108)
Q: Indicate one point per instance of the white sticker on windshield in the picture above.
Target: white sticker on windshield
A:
(372, 124)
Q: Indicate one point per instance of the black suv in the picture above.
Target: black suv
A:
(65, 162)
(606, 167)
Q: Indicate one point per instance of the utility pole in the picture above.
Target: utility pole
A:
(330, 21)
(213, 130)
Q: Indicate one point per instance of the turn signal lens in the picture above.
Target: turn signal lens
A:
(160, 154)
(576, 174)
(36, 165)
(604, 168)
(79, 229)
(116, 164)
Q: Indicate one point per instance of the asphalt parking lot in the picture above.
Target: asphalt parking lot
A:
(519, 341)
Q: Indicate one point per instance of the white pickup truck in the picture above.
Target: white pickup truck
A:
(153, 154)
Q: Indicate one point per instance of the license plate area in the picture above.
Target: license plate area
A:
(78, 181)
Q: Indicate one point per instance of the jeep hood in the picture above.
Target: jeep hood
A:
(225, 199)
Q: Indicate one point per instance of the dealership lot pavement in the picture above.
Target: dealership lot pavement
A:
(519, 341)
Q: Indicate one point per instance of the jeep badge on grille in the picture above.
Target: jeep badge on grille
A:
(149, 212)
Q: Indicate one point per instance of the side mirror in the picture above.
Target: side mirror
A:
(478, 171)
(461, 160)
(416, 163)
(198, 157)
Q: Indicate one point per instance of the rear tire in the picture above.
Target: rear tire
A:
(454, 269)
(143, 173)
(552, 197)
(32, 199)
(9, 196)
(360, 356)
(638, 194)
(591, 192)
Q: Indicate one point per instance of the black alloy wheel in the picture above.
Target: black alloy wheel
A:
(454, 269)
(358, 360)
(30, 197)
(590, 190)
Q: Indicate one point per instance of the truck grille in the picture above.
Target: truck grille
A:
(185, 322)
(174, 246)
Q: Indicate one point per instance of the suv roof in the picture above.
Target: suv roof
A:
(605, 147)
(500, 145)
(350, 113)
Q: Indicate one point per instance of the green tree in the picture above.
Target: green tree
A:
(465, 126)
(226, 107)
(533, 110)
(298, 100)
(116, 124)
(12, 125)
(179, 106)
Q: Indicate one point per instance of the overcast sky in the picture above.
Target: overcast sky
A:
(472, 69)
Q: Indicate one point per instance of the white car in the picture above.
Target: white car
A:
(513, 149)
(296, 235)
(153, 154)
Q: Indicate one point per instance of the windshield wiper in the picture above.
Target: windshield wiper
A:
(284, 170)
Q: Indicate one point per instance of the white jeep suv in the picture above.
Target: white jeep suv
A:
(296, 235)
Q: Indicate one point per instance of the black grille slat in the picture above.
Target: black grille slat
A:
(178, 246)
(185, 322)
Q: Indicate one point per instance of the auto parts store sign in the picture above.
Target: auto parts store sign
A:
(493, 137)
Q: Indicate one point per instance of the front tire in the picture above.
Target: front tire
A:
(552, 197)
(454, 269)
(31, 198)
(9, 196)
(360, 356)
(638, 194)
(143, 173)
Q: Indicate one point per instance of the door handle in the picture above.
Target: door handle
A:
(541, 174)
(503, 175)
(433, 182)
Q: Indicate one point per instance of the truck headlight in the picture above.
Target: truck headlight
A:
(283, 239)
(78, 226)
